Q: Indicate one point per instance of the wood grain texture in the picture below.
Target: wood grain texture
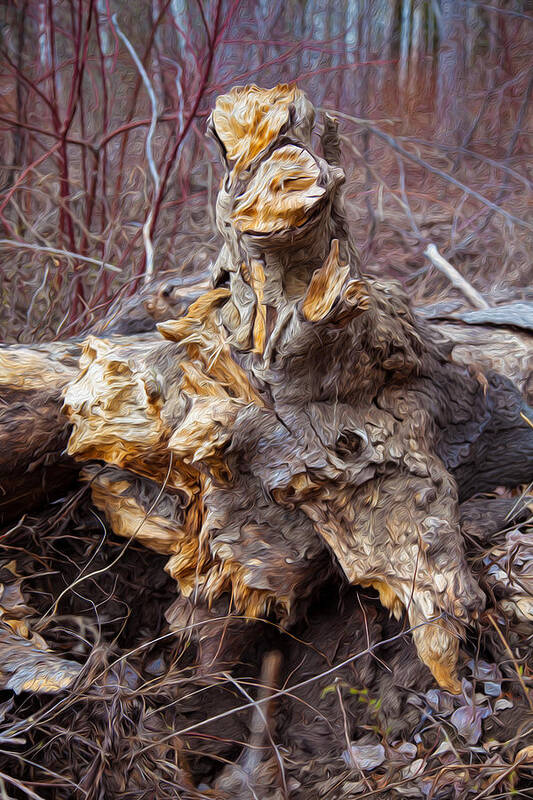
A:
(299, 418)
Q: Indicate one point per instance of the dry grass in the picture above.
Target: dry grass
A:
(139, 723)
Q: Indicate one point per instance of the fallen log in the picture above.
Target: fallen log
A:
(34, 465)
(500, 339)
(300, 418)
(33, 431)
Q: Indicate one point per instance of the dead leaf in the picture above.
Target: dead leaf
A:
(467, 721)
(526, 754)
(502, 704)
(365, 756)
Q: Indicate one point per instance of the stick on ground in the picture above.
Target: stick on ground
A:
(455, 277)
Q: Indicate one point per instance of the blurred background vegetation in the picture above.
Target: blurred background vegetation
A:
(433, 99)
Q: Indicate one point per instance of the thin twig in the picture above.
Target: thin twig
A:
(83, 577)
(290, 689)
(392, 142)
(512, 144)
(56, 252)
(147, 227)
(408, 208)
(36, 294)
(510, 652)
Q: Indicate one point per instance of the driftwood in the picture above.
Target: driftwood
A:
(297, 420)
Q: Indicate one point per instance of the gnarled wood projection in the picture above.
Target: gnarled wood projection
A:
(300, 417)
(34, 466)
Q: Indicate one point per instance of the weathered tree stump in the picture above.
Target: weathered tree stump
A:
(300, 418)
